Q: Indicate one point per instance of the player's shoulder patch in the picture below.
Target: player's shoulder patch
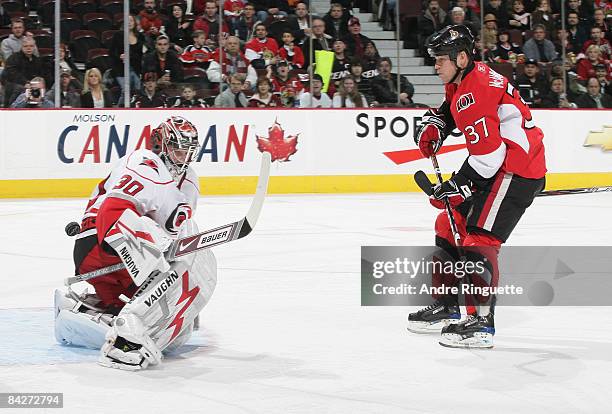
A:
(465, 101)
(140, 156)
(151, 163)
(148, 165)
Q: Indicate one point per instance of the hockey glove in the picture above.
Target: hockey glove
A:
(457, 189)
(430, 133)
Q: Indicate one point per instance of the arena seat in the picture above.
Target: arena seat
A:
(99, 58)
(81, 41)
(98, 22)
(10, 6)
(107, 37)
(194, 75)
(69, 22)
(44, 39)
(82, 7)
(111, 7)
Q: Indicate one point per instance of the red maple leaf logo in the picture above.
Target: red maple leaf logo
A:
(279, 147)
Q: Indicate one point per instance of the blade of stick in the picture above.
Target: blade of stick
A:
(421, 179)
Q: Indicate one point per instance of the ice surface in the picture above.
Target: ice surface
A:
(285, 332)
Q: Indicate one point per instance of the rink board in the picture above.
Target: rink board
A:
(64, 153)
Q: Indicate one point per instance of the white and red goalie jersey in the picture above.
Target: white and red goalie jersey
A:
(141, 182)
(497, 124)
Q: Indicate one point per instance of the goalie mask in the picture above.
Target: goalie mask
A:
(176, 141)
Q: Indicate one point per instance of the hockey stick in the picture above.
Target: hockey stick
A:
(447, 206)
(421, 179)
(206, 239)
(575, 191)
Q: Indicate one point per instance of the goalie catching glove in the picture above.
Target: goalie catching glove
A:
(430, 133)
(457, 189)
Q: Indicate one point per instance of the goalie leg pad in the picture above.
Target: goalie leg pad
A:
(128, 346)
(172, 302)
(75, 327)
(160, 315)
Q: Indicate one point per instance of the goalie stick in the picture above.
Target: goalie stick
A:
(421, 179)
(206, 239)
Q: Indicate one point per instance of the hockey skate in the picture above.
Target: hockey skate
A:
(434, 317)
(474, 332)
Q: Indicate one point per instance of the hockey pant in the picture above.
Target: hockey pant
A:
(484, 222)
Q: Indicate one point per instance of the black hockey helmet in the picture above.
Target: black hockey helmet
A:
(450, 41)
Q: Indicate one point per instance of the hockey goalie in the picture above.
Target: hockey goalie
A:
(147, 309)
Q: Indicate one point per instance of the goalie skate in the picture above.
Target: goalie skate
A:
(474, 332)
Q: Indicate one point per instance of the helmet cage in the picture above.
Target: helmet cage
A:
(179, 144)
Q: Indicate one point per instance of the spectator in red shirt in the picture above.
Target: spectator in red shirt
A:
(290, 52)
(598, 39)
(283, 79)
(586, 67)
(209, 24)
(261, 47)
(197, 54)
(150, 20)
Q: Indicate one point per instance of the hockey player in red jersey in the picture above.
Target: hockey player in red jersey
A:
(146, 201)
(502, 174)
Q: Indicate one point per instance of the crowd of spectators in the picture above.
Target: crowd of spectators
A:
(525, 41)
(203, 53)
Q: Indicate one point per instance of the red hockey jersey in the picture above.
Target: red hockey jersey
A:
(497, 125)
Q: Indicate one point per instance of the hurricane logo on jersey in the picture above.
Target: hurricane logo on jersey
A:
(453, 34)
(465, 101)
(148, 162)
(181, 213)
